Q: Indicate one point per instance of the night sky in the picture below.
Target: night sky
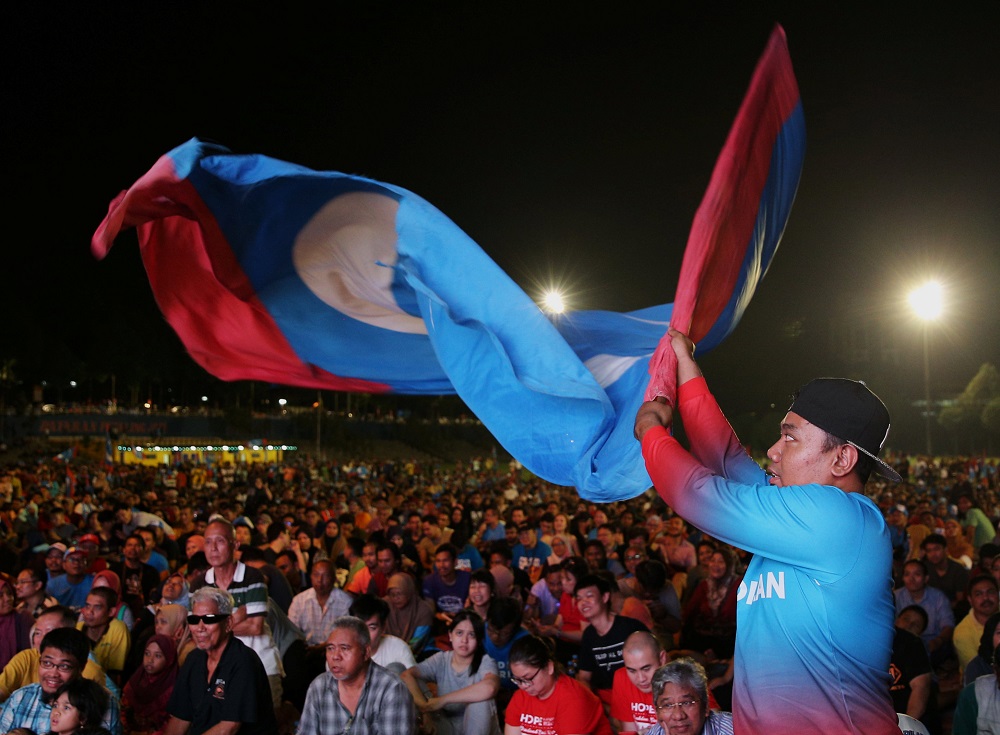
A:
(572, 144)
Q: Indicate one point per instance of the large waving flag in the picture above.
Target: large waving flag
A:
(738, 225)
(271, 271)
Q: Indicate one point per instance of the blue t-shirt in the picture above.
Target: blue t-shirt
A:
(70, 595)
(502, 656)
(448, 598)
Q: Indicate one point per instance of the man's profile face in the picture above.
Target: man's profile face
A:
(375, 629)
(640, 665)
(193, 545)
(345, 655)
(43, 626)
(912, 621)
(798, 457)
(56, 668)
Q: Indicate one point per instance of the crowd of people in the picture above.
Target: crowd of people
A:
(328, 597)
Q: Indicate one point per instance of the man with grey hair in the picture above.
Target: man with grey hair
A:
(238, 697)
(680, 693)
(249, 590)
(355, 694)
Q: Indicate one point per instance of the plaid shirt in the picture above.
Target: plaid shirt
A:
(25, 708)
(386, 706)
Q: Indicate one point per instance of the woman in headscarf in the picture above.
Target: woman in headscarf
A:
(410, 618)
(959, 547)
(562, 548)
(15, 627)
(144, 700)
(333, 543)
(171, 621)
(710, 614)
(123, 612)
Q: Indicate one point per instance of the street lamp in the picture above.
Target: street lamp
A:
(927, 303)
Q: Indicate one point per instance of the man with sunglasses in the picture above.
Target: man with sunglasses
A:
(222, 686)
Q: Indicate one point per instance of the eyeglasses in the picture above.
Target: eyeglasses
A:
(526, 681)
(633, 557)
(48, 664)
(210, 619)
(669, 707)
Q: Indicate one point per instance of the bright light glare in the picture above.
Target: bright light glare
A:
(282, 401)
(927, 301)
(553, 302)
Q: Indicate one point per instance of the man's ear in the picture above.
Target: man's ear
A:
(844, 460)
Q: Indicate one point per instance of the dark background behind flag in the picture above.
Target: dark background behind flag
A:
(571, 145)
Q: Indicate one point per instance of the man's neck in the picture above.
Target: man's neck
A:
(602, 623)
(353, 687)
(981, 619)
(224, 575)
(96, 632)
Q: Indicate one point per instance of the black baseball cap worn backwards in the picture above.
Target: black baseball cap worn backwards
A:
(850, 411)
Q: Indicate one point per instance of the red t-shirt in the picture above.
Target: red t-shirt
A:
(631, 704)
(571, 708)
(572, 619)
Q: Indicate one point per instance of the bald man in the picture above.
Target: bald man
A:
(632, 707)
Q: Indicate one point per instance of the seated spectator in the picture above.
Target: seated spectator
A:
(62, 656)
(562, 548)
(632, 707)
(145, 698)
(176, 591)
(388, 651)
(447, 588)
(361, 582)
(981, 665)
(940, 618)
(958, 547)
(355, 695)
(503, 629)
(122, 612)
(567, 628)
(14, 626)
(546, 695)
(410, 618)
(238, 695)
(315, 611)
(71, 588)
(710, 615)
(603, 638)
(680, 691)
(467, 682)
(597, 559)
(983, 595)
(530, 555)
(944, 574)
(482, 590)
(654, 589)
(911, 688)
(171, 621)
(109, 638)
(543, 600)
(31, 595)
(978, 704)
(79, 709)
(23, 668)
